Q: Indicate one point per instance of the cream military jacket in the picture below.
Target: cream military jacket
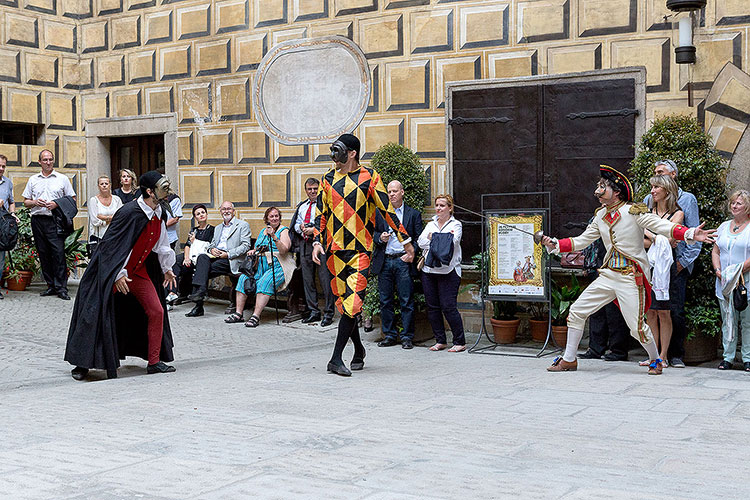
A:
(621, 228)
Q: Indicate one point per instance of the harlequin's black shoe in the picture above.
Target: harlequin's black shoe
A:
(339, 370)
(79, 373)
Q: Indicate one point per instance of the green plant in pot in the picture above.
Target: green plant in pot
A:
(21, 264)
(75, 251)
(562, 298)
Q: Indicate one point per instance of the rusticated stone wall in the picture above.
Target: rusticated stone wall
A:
(63, 62)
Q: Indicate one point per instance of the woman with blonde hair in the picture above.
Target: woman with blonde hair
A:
(661, 253)
(102, 208)
(441, 274)
(128, 189)
(731, 261)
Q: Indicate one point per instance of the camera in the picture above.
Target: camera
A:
(309, 224)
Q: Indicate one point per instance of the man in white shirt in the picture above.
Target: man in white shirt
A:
(39, 196)
(304, 233)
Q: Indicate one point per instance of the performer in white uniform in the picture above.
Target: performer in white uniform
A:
(625, 275)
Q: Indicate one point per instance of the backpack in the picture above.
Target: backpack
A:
(8, 230)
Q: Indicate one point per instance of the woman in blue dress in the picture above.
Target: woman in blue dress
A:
(267, 279)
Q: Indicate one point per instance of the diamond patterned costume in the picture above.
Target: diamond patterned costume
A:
(345, 220)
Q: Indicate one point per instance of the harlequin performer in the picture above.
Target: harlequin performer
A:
(348, 199)
(120, 308)
(625, 275)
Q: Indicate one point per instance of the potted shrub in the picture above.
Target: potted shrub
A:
(21, 264)
(504, 321)
(538, 321)
(75, 251)
(702, 171)
(562, 298)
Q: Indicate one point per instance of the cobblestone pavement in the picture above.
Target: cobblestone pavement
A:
(253, 414)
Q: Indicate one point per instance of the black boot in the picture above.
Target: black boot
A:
(196, 311)
(79, 373)
(339, 370)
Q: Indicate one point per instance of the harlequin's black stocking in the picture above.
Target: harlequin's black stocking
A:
(346, 325)
(359, 347)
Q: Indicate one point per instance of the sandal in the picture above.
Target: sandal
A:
(457, 348)
(438, 347)
(235, 317)
(645, 362)
(656, 366)
(253, 321)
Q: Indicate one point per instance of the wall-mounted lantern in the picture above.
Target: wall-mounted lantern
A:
(685, 51)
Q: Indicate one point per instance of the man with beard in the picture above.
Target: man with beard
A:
(120, 307)
(626, 272)
(348, 199)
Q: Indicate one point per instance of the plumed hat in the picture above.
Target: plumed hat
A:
(618, 179)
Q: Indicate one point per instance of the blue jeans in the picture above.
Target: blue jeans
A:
(395, 276)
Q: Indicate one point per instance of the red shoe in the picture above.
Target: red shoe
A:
(560, 365)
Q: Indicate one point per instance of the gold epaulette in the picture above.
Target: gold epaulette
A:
(638, 209)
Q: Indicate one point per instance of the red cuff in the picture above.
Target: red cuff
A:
(678, 232)
(565, 244)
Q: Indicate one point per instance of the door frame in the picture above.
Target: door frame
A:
(638, 74)
(99, 132)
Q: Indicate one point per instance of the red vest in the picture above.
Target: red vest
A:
(146, 241)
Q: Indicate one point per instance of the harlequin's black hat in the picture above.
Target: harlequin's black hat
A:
(619, 179)
(350, 141)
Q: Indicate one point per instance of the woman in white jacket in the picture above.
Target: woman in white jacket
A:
(102, 208)
(664, 194)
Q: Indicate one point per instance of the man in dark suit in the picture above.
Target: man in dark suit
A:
(393, 271)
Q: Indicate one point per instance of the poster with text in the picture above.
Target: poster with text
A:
(516, 263)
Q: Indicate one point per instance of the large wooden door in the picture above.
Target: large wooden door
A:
(539, 137)
(138, 153)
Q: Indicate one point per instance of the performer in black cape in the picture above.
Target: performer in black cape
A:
(120, 307)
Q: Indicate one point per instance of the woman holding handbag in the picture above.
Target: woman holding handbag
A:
(441, 273)
(731, 261)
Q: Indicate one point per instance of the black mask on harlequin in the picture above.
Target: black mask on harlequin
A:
(339, 152)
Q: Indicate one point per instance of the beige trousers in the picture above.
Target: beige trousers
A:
(611, 285)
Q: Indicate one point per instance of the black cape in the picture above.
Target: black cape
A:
(106, 326)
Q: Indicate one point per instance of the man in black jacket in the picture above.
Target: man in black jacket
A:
(394, 273)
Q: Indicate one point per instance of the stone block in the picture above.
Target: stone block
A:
(77, 9)
(714, 52)
(341, 28)
(24, 106)
(453, 70)
(655, 12)
(730, 94)
(174, 62)
(607, 17)
(94, 37)
(288, 34)
(400, 4)
(253, 145)
(126, 32)
(249, 51)
(127, 102)
(274, 187)
(732, 12)
(78, 74)
(574, 58)
(31, 154)
(726, 133)
(232, 15)
(42, 70)
(542, 21)
(185, 148)
(299, 176)
(74, 152)
(142, 66)
(61, 111)
(105, 7)
(95, 106)
(348, 7)
(13, 153)
(431, 31)
(195, 102)
(43, 6)
(233, 99)
(374, 105)
(270, 12)
(21, 30)
(213, 58)
(140, 4)
(158, 27)
(427, 136)
(237, 187)
(10, 65)
(407, 85)
(376, 132)
(159, 100)
(307, 10)
(512, 64)
(193, 21)
(197, 187)
(111, 71)
(215, 146)
(483, 25)
(289, 154)
(62, 37)
(382, 36)
(652, 53)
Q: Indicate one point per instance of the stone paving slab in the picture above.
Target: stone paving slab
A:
(251, 413)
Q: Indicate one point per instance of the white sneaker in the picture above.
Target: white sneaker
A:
(171, 297)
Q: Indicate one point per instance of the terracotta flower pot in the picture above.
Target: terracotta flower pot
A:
(17, 284)
(560, 333)
(538, 329)
(27, 276)
(700, 349)
(505, 331)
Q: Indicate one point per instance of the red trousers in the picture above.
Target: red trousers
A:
(143, 290)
